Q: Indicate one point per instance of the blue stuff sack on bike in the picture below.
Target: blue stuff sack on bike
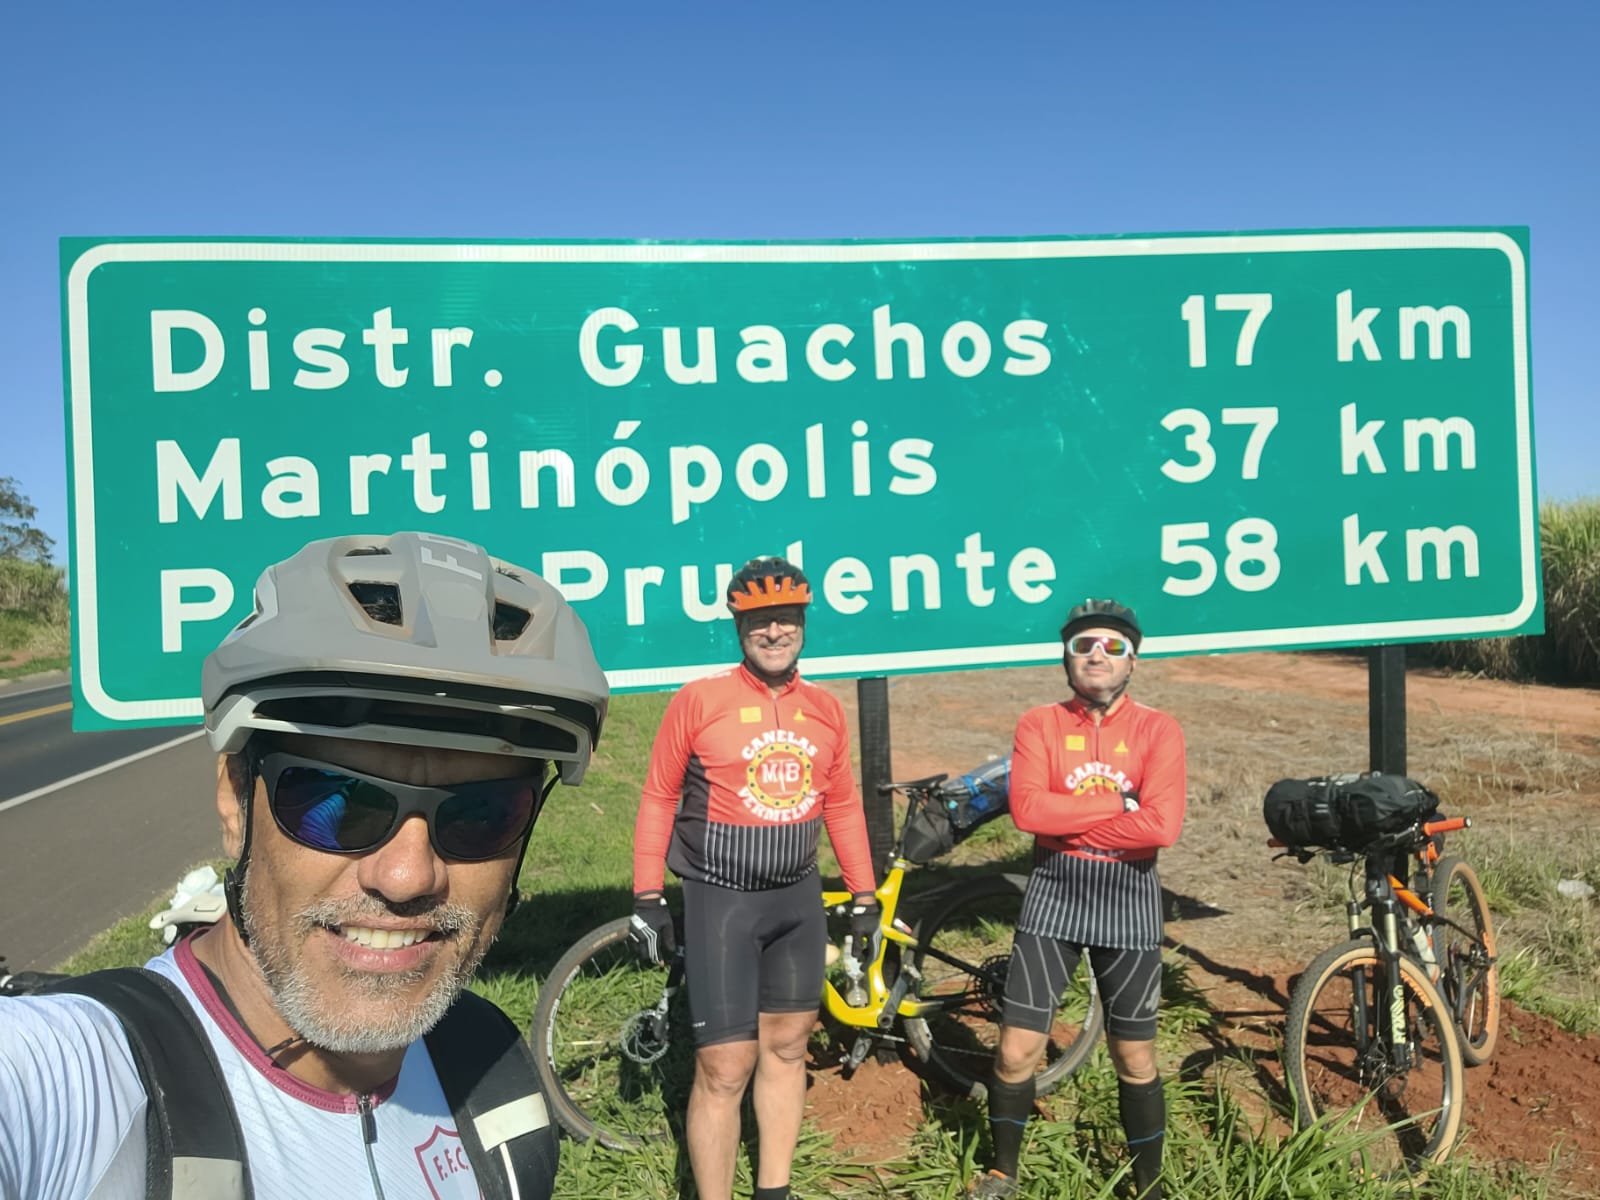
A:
(959, 807)
(978, 796)
(1344, 812)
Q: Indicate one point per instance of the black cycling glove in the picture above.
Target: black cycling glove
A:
(650, 928)
(866, 916)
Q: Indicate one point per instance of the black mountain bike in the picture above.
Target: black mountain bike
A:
(1381, 1027)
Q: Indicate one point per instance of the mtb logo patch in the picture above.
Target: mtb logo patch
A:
(778, 777)
(442, 1157)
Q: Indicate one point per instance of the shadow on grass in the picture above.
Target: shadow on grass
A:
(547, 923)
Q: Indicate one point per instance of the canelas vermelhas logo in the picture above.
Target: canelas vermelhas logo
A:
(1097, 777)
(778, 776)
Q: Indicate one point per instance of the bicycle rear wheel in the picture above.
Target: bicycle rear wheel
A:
(1343, 1065)
(610, 1068)
(1469, 981)
(975, 926)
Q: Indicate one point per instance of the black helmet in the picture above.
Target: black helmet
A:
(1107, 614)
(768, 582)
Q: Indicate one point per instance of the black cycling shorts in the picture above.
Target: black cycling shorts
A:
(1129, 983)
(747, 953)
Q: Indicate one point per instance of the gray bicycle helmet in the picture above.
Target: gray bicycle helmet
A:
(412, 638)
(1102, 614)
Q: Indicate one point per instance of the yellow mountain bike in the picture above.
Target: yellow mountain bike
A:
(611, 1036)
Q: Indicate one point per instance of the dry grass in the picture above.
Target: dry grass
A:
(1569, 649)
(34, 609)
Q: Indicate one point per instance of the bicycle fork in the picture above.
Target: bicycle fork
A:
(1387, 1025)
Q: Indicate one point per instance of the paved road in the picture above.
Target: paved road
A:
(38, 747)
(75, 859)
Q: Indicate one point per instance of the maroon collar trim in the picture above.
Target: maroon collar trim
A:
(199, 980)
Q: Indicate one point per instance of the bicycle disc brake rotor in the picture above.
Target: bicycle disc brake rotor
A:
(644, 1037)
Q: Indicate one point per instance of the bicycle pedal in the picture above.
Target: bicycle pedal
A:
(858, 1053)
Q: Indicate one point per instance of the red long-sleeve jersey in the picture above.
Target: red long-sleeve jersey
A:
(740, 782)
(1069, 775)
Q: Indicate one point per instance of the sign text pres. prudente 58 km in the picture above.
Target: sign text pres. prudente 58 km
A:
(1300, 439)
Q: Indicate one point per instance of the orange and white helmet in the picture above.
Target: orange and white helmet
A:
(769, 582)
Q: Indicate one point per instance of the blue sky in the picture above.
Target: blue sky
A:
(635, 120)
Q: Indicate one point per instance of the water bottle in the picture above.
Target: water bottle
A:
(855, 991)
(1422, 943)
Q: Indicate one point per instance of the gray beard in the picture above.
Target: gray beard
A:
(307, 1011)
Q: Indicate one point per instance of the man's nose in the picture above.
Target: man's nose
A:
(406, 867)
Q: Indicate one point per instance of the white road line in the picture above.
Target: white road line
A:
(8, 689)
(100, 770)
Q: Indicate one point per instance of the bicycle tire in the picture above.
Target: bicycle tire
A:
(1341, 1071)
(1469, 980)
(596, 1090)
(976, 924)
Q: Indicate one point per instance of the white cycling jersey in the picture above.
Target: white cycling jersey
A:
(72, 1110)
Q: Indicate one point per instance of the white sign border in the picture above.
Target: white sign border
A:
(85, 578)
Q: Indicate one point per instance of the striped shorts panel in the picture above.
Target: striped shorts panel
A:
(1093, 902)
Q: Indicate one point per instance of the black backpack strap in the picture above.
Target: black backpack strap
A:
(486, 1071)
(194, 1148)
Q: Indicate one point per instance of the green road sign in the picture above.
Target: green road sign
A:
(1258, 440)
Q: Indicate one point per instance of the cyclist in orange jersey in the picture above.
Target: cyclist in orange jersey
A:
(747, 766)
(1099, 780)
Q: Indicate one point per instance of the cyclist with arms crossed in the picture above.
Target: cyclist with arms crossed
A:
(386, 720)
(746, 766)
(1099, 780)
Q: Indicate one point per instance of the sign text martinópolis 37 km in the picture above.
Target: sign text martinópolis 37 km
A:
(1260, 440)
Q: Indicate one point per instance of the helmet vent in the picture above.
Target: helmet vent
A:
(509, 621)
(360, 551)
(381, 600)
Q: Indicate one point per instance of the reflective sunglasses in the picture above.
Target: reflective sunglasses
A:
(786, 619)
(1082, 645)
(340, 811)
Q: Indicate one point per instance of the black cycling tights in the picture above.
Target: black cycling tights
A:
(748, 953)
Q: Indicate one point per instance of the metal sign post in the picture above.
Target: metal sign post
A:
(1386, 709)
(872, 697)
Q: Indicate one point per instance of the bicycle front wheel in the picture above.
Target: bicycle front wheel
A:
(615, 1064)
(1469, 981)
(1399, 1089)
(962, 955)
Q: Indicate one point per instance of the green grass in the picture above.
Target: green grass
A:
(58, 662)
(1215, 1151)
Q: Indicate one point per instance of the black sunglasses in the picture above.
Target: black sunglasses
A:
(340, 811)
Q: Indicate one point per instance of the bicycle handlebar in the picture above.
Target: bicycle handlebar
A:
(1419, 832)
(913, 785)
